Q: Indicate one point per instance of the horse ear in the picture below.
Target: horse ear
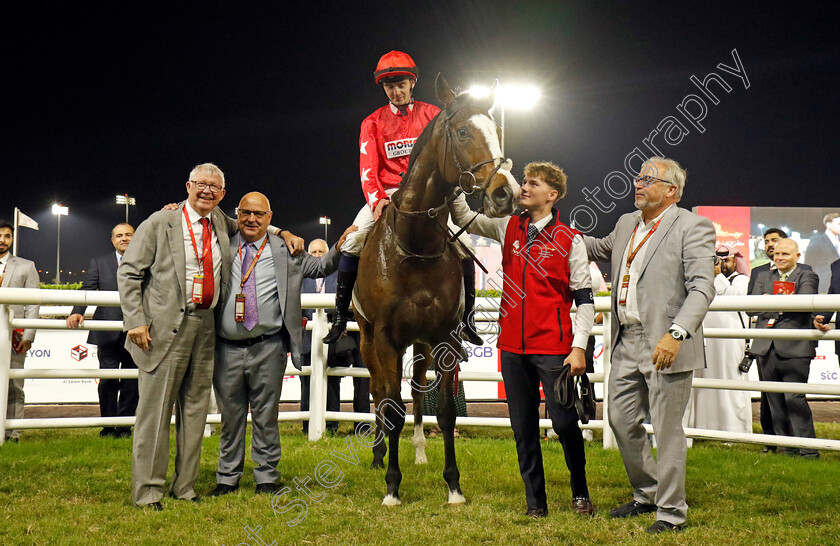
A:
(487, 102)
(443, 91)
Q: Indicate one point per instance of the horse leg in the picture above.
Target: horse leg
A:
(418, 392)
(392, 411)
(446, 421)
(377, 388)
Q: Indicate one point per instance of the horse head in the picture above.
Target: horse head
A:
(472, 156)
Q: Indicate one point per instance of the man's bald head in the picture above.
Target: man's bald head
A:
(318, 247)
(253, 216)
(785, 255)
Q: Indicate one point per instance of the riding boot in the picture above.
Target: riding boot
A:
(468, 332)
(343, 295)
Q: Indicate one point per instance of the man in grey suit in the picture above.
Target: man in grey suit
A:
(824, 249)
(258, 323)
(17, 273)
(787, 360)
(117, 397)
(169, 281)
(663, 282)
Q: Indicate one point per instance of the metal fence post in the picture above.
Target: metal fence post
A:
(318, 378)
(609, 437)
(5, 364)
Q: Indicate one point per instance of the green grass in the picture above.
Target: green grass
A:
(71, 487)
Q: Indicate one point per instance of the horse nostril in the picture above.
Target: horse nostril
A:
(502, 195)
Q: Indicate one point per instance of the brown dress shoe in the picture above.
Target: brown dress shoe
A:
(583, 506)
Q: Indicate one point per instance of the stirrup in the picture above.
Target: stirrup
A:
(338, 329)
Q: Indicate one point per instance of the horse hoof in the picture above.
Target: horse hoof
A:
(456, 498)
(420, 458)
(376, 466)
(391, 500)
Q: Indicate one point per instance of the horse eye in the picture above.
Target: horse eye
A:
(463, 133)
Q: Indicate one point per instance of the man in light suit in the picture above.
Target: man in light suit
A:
(824, 249)
(783, 359)
(169, 281)
(17, 273)
(258, 323)
(117, 397)
(663, 282)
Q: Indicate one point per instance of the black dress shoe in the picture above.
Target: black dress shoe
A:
(195, 499)
(662, 526)
(156, 506)
(108, 432)
(12, 439)
(537, 513)
(769, 449)
(122, 432)
(266, 488)
(222, 489)
(632, 509)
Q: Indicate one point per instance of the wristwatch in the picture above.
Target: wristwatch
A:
(676, 334)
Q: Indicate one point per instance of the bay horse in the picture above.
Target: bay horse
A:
(410, 288)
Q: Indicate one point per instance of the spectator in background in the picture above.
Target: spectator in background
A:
(117, 397)
(787, 360)
(345, 352)
(771, 237)
(17, 273)
(824, 249)
(716, 409)
(821, 321)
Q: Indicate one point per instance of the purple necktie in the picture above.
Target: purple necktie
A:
(252, 315)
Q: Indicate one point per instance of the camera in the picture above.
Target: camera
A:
(746, 362)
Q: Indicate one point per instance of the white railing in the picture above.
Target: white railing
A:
(317, 415)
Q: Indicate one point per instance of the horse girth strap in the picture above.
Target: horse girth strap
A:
(402, 249)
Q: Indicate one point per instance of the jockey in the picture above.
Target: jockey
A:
(385, 144)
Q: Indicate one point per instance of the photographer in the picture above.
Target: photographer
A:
(716, 409)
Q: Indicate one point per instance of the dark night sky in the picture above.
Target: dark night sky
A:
(125, 97)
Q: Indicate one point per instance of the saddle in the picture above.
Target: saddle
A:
(575, 392)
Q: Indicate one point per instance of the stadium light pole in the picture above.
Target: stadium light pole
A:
(59, 211)
(127, 201)
(515, 96)
(326, 222)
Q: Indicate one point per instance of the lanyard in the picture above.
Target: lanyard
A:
(253, 263)
(204, 251)
(633, 251)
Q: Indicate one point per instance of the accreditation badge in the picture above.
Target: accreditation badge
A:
(198, 289)
(625, 287)
(239, 308)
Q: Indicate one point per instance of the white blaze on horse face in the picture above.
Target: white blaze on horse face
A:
(487, 128)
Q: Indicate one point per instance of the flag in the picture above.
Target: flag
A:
(26, 221)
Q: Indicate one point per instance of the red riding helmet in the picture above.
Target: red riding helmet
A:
(395, 64)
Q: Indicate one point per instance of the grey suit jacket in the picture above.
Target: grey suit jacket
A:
(152, 280)
(805, 282)
(676, 284)
(290, 272)
(21, 273)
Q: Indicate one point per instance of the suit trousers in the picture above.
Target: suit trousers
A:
(522, 376)
(333, 394)
(249, 376)
(14, 409)
(117, 397)
(182, 380)
(790, 411)
(637, 389)
(765, 418)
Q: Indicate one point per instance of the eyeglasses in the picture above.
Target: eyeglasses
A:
(647, 181)
(246, 213)
(214, 188)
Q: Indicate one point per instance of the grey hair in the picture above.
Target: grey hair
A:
(673, 173)
(208, 169)
(313, 241)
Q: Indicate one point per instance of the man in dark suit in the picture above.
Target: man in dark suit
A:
(821, 321)
(345, 352)
(17, 273)
(824, 249)
(787, 360)
(771, 237)
(258, 323)
(117, 397)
